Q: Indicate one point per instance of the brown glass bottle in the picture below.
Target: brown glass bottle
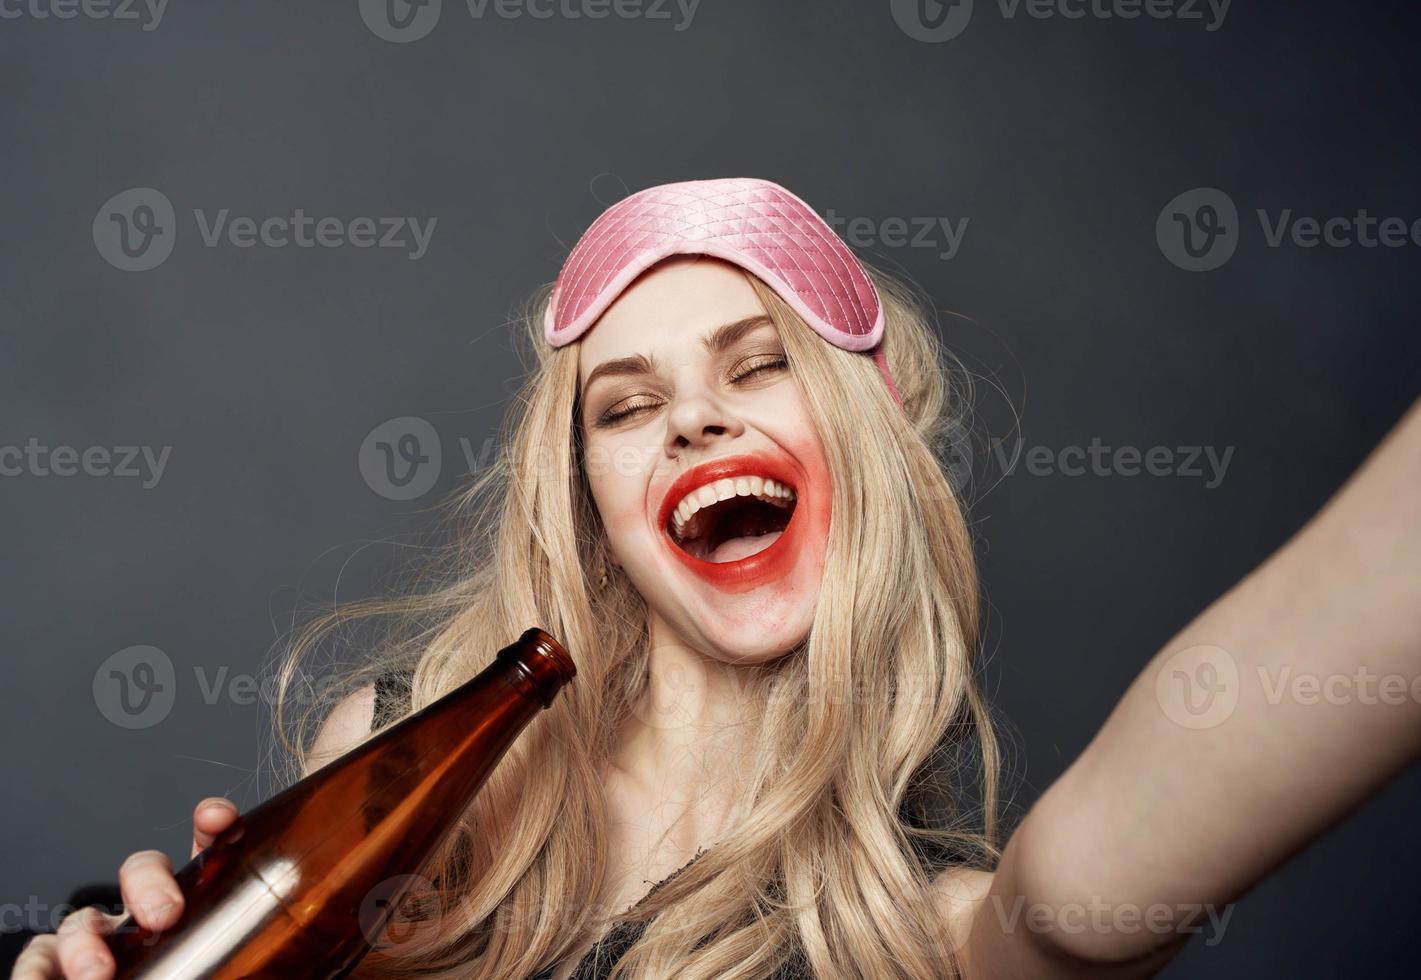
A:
(300, 886)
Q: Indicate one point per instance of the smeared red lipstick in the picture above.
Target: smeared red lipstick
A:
(755, 570)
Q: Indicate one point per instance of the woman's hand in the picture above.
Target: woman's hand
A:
(150, 895)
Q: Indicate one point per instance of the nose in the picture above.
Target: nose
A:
(699, 420)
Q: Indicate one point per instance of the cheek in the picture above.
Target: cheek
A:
(819, 508)
(802, 442)
(623, 523)
(618, 489)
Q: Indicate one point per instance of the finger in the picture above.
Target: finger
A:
(39, 960)
(150, 892)
(82, 952)
(212, 816)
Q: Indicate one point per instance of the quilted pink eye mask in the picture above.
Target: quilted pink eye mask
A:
(755, 224)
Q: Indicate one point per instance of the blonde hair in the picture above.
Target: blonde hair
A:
(824, 867)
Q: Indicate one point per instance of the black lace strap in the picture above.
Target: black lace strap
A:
(597, 962)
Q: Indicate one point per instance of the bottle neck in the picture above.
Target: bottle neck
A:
(541, 666)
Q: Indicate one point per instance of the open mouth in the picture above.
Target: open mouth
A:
(732, 518)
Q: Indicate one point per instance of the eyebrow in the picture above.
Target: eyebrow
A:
(718, 340)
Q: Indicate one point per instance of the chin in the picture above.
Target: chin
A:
(754, 626)
(744, 626)
(750, 642)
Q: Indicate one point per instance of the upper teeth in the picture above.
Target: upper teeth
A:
(740, 486)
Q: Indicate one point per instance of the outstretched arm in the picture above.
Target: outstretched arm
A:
(1267, 719)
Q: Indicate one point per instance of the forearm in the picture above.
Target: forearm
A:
(1182, 801)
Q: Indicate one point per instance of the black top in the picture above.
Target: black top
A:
(597, 963)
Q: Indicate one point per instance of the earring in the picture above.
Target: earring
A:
(602, 575)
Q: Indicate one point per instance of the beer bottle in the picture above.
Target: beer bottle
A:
(303, 884)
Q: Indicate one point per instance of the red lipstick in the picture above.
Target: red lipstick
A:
(755, 570)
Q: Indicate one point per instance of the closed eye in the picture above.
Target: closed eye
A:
(750, 368)
(627, 409)
(758, 365)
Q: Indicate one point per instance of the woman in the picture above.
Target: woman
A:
(744, 535)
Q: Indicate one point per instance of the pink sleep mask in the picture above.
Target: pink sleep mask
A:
(755, 224)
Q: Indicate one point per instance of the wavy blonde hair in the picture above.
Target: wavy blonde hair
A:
(824, 869)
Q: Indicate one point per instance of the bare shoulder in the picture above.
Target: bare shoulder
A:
(961, 888)
(960, 893)
(345, 727)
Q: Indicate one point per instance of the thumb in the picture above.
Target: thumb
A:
(212, 816)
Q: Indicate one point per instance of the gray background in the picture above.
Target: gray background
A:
(264, 369)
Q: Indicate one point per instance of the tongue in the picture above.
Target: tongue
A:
(737, 548)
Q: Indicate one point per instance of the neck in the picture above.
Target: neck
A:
(687, 745)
